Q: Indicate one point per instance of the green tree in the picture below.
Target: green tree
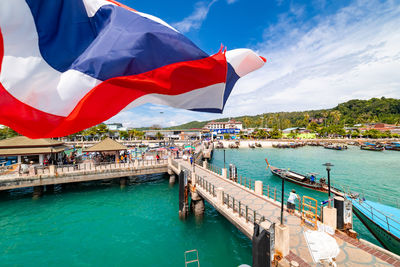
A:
(275, 133)
(123, 135)
(159, 136)
(227, 136)
(7, 132)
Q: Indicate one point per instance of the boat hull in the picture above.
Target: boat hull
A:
(388, 240)
(315, 187)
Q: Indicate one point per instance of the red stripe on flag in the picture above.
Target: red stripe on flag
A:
(111, 96)
(122, 5)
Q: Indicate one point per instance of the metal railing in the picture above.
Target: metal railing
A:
(390, 223)
(249, 214)
(214, 168)
(92, 166)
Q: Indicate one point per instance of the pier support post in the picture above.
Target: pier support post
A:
(172, 179)
(123, 181)
(37, 191)
(197, 204)
(183, 196)
(282, 239)
(205, 164)
(258, 187)
(220, 195)
(329, 217)
(224, 173)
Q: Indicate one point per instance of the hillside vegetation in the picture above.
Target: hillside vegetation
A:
(386, 110)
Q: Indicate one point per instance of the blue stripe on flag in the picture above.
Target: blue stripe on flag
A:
(115, 42)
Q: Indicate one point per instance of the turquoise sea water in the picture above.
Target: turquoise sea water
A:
(104, 225)
(374, 173)
(109, 226)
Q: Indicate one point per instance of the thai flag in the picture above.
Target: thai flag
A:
(68, 65)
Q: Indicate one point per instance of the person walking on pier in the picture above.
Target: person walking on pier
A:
(291, 206)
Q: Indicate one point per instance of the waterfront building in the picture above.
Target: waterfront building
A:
(115, 127)
(21, 149)
(224, 126)
(170, 135)
(382, 127)
(294, 129)
(219, 128)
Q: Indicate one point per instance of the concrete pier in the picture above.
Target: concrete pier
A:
(239, 205)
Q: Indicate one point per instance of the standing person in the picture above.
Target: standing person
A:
(157, 158)
(291, 201)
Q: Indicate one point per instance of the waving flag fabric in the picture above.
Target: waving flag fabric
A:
(69, 65)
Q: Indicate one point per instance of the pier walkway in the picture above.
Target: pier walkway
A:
(242, 206)
(81, 173)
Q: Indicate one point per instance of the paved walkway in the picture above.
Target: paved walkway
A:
(352, 252)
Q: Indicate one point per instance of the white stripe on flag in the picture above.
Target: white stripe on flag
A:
(26, 75)
(244, 61)
(209, 97)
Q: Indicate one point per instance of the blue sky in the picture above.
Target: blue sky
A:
(320, 53)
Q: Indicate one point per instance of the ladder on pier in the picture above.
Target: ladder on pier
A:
(192, 257)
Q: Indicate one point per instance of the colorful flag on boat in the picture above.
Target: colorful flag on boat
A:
(69, 65)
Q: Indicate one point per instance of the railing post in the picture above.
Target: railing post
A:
(224, 173)
(268, 191)
(275, 194)
(233, 204)
(239, 209)
(250, 184)
(247, 213)
(258, 187)
(220, 196)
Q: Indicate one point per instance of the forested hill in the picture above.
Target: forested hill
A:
(352, 112)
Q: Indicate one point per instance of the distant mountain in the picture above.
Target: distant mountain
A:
(386, 110)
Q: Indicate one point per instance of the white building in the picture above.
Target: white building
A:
(224, 125)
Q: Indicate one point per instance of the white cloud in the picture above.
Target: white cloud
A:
(318, 63)
(354, 53)
(194, 20)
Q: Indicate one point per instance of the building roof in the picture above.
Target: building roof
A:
(25, 142)
(106, 145)
(31, 150)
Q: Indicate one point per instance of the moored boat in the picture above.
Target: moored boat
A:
(382, 221)
(393, 146)
(309, 181)
(372, 147)
(335, 146)
(252, 145)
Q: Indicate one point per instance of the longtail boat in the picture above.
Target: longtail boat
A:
(372, 147)
(393, 146)
(335, 146)
(309, 181)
